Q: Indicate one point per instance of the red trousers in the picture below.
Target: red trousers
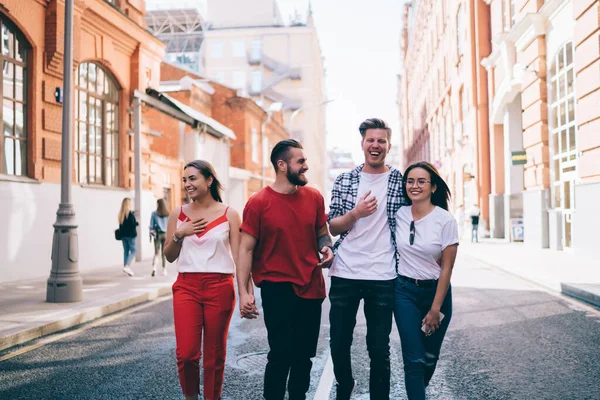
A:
(202, 303)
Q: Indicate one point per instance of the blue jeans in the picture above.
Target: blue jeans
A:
(345, 296)
(420, 353)
(128, 250)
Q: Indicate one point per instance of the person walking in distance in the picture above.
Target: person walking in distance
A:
(128, 230)
(474, 214)
(158, 230)
(363, 209)
(284, 233)
(203, 237)
(427, 238)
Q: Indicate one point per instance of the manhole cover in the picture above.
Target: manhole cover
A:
(252, 362)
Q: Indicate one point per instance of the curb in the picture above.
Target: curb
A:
(569, 290)
(82, 317)
(580, 294)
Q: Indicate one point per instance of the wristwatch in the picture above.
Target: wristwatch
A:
(176, 239)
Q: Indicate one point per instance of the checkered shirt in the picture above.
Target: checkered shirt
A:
(345, 192)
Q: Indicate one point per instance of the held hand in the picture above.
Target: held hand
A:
(431, 321)
(366, 206)
(189, 228)
(248, 307)
(327, 257)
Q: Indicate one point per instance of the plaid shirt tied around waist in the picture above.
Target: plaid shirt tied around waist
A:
(345, 192)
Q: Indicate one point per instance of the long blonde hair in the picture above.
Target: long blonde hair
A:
(125, 209)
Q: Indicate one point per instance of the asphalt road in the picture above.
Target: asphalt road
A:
(508, 339)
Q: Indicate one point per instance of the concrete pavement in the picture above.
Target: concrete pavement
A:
(508, 339)
(562, 271)
(25, 315)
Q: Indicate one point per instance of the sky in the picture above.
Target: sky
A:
(360, 42)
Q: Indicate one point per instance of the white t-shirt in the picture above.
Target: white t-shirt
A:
(367, 252)
(433, 233)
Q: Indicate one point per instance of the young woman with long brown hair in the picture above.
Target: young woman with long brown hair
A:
(202, 237)
(427, 239)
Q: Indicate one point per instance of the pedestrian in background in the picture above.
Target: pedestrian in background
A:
(158, 230)
(128, 231)
(363, 209)
(474, 214)
(202, 237)
(427, 236)
(283, 232)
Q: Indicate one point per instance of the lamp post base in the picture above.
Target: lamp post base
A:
(65, 284)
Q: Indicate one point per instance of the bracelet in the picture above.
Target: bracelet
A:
(176, 239)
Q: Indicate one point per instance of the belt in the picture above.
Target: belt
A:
(419, 282)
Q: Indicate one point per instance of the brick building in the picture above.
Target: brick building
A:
(443, 95)
(114, 56)
(530, 120)
(544, 80)
(117, 68)
(242, 157)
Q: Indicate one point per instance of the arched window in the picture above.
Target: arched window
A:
(13, 94)
(97, 126)
(563, 128)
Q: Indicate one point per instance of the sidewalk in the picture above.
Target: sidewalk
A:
(25, 314)
(561, 271)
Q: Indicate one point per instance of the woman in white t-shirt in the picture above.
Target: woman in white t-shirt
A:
(427, 239)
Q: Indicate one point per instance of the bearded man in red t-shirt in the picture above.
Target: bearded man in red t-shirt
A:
(284, 229)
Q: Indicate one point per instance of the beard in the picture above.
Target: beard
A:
(295, 179)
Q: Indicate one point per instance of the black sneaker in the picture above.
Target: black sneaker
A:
(344, 394)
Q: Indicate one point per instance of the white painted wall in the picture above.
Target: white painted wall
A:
(30, 212)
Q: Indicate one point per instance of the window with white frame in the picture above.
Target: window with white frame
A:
(13, 99)
(563, 127)
(96, 126)
(256, 81)
(219, 77)
(255, 145)
(256, 49)
(563, 145)
(216, 49)
(239, 79)
(460, 31)
(238, 48)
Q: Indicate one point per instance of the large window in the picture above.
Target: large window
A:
(563, 144)
(13, 94)
(460, 31)
(96, 126)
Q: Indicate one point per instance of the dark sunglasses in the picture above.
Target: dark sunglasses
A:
(411, 237)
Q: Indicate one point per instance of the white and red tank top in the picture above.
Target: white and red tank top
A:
(208, 251)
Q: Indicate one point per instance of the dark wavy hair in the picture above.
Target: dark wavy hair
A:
(207, 171)
(441, 196)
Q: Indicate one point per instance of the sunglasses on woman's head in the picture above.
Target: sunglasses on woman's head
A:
(411, 237)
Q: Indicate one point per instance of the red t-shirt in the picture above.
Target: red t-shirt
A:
(285, 227)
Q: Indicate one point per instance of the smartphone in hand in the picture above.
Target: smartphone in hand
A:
(423, 327)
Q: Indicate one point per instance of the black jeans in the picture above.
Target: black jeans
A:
(293, 325)
(345, 296)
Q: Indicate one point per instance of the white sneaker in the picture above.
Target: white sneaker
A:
(128, 271)
(164, 271)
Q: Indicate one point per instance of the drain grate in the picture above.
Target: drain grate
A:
(252, 362)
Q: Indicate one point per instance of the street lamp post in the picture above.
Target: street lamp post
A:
(64, 283)
(295, 113)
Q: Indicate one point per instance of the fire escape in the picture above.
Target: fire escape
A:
(182, 30)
